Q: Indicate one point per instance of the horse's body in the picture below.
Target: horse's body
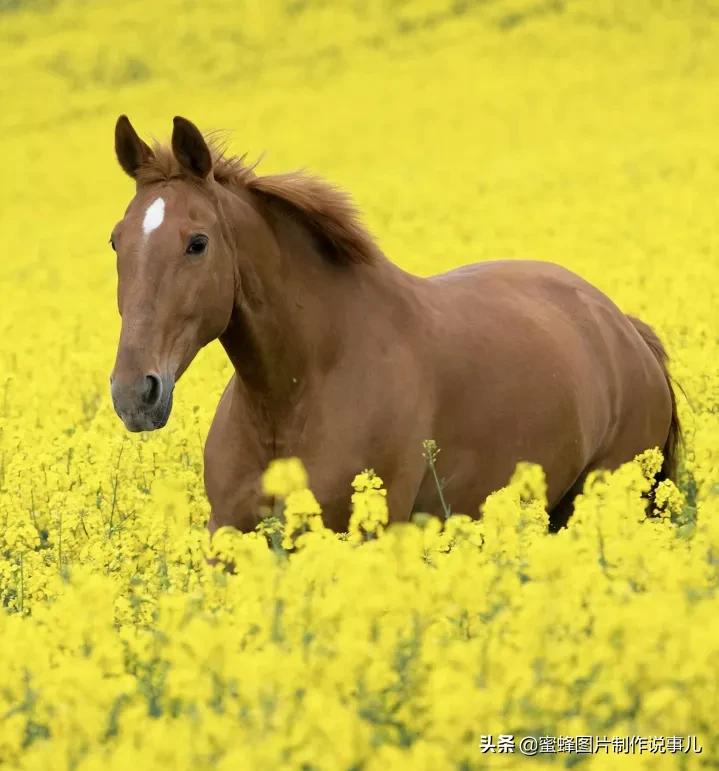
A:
(348, 362)
(498, 362)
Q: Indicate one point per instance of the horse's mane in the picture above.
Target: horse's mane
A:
(328, 211)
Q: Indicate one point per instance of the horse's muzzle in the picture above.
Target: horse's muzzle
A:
(143, 404)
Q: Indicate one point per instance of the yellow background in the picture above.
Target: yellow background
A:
(581, 132)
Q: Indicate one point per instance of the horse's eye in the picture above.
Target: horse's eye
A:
(197, 245)
(112, 244)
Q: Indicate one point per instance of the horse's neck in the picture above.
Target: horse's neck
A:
(286, 325)
(297, 314)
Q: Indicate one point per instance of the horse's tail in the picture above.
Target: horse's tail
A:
(674, 438)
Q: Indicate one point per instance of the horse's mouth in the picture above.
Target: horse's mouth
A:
(137, 423)
(150, 420)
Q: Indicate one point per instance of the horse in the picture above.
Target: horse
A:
(343, 359)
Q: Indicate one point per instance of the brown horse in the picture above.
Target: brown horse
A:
(346, 361)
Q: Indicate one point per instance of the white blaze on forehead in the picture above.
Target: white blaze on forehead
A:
(153, 216)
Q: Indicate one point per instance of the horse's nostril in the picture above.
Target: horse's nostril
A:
(153, 390)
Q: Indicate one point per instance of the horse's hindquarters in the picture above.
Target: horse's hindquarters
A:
(538, 366)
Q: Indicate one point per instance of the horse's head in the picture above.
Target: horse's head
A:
(175, 272)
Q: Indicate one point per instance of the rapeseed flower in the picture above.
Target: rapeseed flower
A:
(466, 132)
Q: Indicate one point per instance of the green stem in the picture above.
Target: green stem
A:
(431, 451)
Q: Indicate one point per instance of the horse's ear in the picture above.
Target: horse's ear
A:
(190, 148)
(131, 151)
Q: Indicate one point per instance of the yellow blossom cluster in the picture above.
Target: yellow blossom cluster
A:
(578, 132)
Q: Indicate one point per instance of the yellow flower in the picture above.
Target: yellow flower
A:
(650, 462)
(284, 476)
(302, 514)
(124, 641)
(369, 507)
(668, 499)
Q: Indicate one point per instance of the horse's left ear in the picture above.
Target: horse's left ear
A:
(190, 148)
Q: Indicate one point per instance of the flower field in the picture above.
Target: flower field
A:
(582, 132)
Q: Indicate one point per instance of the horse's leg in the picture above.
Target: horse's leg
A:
(241, 512)
(560, 514)
(237, 502)
(234, 462)
(402, 493)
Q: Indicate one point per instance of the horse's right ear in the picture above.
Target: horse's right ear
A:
(131, 151)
